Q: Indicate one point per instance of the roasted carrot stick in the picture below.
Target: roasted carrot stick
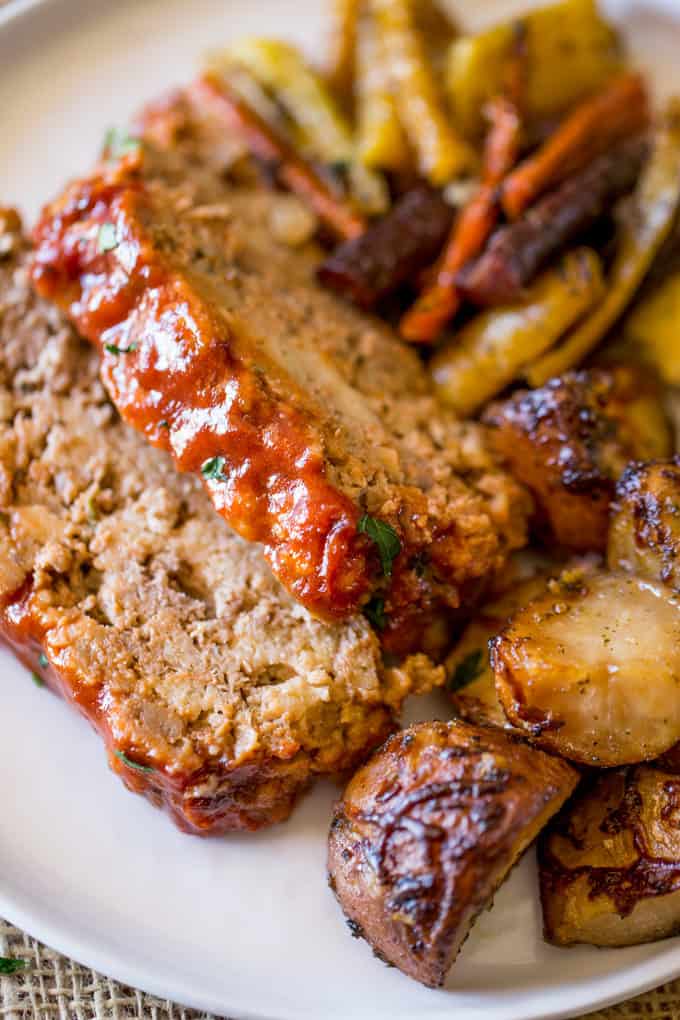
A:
(291, 170)
(620, 110)
(440, 301)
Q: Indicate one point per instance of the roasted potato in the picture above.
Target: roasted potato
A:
(470, 678)
(609, 864)
(591, 669)
(644, 535)
(571, 51)
(569, 441)
(494, 347)
(427, 831)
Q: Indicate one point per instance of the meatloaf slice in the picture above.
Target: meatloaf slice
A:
(216, 693)
(309, 420)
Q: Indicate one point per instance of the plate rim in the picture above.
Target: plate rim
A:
(29, 917)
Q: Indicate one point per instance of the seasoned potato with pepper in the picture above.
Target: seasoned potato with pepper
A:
(427, 831)
(591, 669)
(570, 440)
(609, 864)
(470, 678)
(644, 534)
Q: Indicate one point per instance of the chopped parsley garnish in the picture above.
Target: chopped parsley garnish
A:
(468, 669)
(113, 349)
(37, 680)
(11, 966)
(107, 239)
(43, 661)
(117, 142)
(132, 764)
(374, 611)
(386, 539)
(164, 424)
(214, 469)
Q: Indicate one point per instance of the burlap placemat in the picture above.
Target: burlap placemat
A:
(55, 988)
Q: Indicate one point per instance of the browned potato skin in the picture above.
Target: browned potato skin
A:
(591, 669)
(429, 828)
(569, 441)
(609, 864)
(476, 699)
(644, 534)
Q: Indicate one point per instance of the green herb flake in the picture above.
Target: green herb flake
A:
(468, 669)
(386, 539)
(11, 966)
(164, 424)
(107, 238)
(37, 680)
(113, 349)
(374, 611)
(43, 661)
(214, 469)
(130, 763)
(118, 143)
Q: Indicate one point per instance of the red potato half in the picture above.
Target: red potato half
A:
(428, 830)
(591, 669)
(609, 863)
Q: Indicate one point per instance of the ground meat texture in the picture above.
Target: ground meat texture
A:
(217, 695)
(517, 252)
(218, 344)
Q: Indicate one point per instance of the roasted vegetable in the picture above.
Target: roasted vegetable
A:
(652, 328)
(310, 103)
(590, 669)
(518, 251)
(571, 51)
(442, 154)
(440, 300)
(641, 235)
(381, 140)
(619, 111)
(262, 141)
(470, 678)
(392, 251)
(609, 864)
(569, 441)
(341, 68)
(496, 345)
(644, 536)
(428, 830)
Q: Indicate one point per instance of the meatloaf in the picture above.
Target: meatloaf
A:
(314, 427)
(216, 693)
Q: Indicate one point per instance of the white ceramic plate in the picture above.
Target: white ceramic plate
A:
(243, 926)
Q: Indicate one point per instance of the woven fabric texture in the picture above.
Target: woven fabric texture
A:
(55, 988)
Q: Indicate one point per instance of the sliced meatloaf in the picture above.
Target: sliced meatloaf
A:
(216, 693)
(314, 427)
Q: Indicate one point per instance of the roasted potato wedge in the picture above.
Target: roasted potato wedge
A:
(609, 864)
(470, 678)
(591, 669)
(427, 831)
(571, 51)
(644, 535)
(569, 441)
(494, 347)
